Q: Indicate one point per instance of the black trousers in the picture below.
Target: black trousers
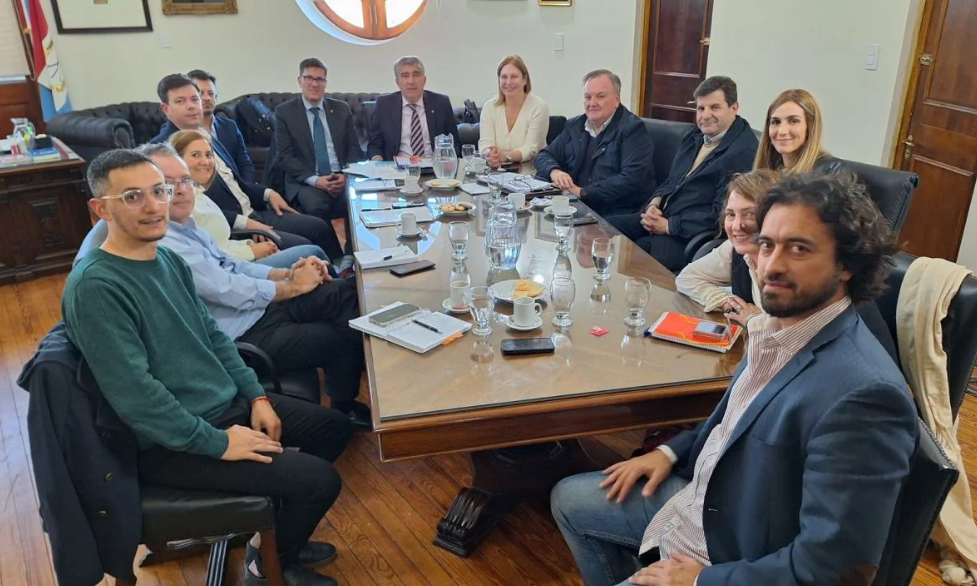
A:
(313, 331)
(299, 229)
(304, 480)
(320, 204)
(667, 250)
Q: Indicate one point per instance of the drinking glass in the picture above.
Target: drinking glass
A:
(413, 181)
(637, 291)
(562, 224)
(478, 164)
(458, 236)
(562, 293)
(603, 253)
(467, 153)
(495, 190)
(481, 303)
(562, 267)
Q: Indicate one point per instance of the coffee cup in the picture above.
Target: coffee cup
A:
(408, 224)
(525, 310)
(560, 204)
(518, 200)
(459, 294)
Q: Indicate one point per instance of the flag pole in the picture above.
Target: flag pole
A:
(25, 37)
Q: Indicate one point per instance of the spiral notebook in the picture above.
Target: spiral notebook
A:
(677, 327)
(419, 332)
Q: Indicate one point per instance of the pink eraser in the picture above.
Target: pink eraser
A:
(598, 331)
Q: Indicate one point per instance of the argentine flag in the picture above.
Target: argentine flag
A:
(47, 67)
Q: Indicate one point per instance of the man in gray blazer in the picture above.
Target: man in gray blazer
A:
(316, 140)
(794, 477)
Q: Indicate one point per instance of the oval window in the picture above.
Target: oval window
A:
(363, 22)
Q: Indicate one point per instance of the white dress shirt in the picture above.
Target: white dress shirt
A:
(408, 114)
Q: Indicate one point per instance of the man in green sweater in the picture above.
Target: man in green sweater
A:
(200, 416)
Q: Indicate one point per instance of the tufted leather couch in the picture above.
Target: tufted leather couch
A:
(92, 131)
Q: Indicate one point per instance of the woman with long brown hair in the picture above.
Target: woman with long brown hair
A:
(513, 126)
(792, 132)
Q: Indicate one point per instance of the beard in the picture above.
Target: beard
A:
(801, 302)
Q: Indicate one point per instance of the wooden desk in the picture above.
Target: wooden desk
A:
(43, 218)
(466, 397)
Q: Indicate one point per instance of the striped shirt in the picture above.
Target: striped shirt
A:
(677, 527)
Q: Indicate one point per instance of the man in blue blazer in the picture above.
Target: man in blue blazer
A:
(794, 477)
(405, 123)
(185, 113)
(689, 202)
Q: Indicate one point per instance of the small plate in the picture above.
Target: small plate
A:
(469, 207)
(503, 290)
(443, 184)
(415, 236)
(549, 210)
(411, 192)
(536, 323)
(446, 304)
(525, 209)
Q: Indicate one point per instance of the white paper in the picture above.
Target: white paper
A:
(375, 170)
(372, 259)
(378, 218)
(410, 335)
(373, 185)
(474, 189)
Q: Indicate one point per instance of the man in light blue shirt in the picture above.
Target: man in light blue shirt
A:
(299, 316)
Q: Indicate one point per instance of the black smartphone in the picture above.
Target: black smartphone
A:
(519, 347)
(584, 220)
(414, 267)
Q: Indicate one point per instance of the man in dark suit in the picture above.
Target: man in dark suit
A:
(603, 156)
(183, 112)
(405, 123)
(794, 477)
(690, 200)
(316, 140)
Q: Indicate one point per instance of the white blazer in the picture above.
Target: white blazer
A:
(528, 135)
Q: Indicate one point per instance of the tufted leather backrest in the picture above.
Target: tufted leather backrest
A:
(890, 189)
(666, 136)
(357, 104)
(145, 118)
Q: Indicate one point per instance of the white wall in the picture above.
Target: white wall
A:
(768, 46)
(968, 246)
(259, 48)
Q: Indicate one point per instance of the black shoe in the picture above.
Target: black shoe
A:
(360, 417)
(294, 575)
(313, 553)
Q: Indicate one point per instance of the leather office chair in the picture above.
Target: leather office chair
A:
(469, 133)
(666, 136)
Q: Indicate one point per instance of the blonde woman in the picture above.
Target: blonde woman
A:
(791, 139)
(513, 125)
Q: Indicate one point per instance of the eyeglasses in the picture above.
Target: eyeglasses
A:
(182, 182)
(136, 198)
(313, 80)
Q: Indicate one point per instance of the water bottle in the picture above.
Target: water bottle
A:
(502, 241)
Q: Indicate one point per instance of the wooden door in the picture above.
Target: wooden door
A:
(939, 130)
(676, 45)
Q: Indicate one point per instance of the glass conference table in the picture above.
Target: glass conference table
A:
(518, 417)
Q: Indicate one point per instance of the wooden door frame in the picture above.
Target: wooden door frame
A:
(896, 159)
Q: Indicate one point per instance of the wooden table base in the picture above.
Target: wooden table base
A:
(500, 477)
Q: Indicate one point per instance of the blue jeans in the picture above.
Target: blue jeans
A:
(604, 536)
(284, 259)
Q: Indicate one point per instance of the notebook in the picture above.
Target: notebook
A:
(378, 218)
(411, 335)
(385, 257)
(474, 189)
(374, 185)
(677, 327)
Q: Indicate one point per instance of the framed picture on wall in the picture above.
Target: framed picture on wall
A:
(556, 2)
(171, 7)
(101, 16)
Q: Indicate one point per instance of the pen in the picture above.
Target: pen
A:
(426, 327)
(394, 255)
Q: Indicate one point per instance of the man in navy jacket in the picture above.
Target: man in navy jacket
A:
(793, 479)
(604, 156)
(690, 200)
(405, 123)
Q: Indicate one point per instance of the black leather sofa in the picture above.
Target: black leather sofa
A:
(95, 130)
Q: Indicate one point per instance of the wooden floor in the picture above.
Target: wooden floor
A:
(382, 524)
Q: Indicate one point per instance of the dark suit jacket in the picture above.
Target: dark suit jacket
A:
(623, 175)
(229, 145)
(388, 118)
(225, 200)
(76, 441)
(693, 202)
(805, 490)
(295, 148)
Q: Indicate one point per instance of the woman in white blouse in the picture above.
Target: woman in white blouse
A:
(732, 263)
(513, 125)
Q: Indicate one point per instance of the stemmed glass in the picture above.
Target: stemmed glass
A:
(637, 291)
(481, 303)
(603, 253)
(562, 225)
(458, 237)
(562, 293)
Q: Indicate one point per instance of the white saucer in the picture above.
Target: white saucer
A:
(447, 305)
(549, 210)
(405, 191)
(536, 323)
(401, 234)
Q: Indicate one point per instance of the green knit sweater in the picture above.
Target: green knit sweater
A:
(157, 354)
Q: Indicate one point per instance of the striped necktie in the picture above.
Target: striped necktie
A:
(416, 136)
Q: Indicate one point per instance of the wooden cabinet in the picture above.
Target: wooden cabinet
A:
(43, 218)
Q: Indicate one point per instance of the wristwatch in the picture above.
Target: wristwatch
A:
(508, 159)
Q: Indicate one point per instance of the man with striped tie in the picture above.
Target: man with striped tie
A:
(405, 123)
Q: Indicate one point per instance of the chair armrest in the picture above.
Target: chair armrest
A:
(81, 130)
(248, 232)
(696, 242)
(260, 362)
